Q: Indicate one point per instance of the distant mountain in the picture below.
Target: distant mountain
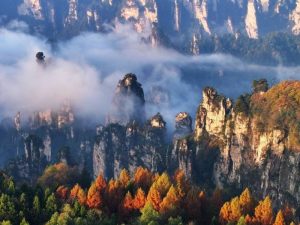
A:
(178, 21)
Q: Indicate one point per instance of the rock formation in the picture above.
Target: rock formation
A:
(128, 103)
(232, 147)
(173, 19)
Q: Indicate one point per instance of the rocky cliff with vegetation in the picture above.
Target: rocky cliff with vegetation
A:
(253, 142)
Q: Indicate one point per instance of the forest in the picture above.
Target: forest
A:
(145, 198)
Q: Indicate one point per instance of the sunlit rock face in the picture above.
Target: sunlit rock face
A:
(128, 103)
(230, 149)
(211, 115)
(183, 125)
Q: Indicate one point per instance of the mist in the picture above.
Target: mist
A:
(86, 69)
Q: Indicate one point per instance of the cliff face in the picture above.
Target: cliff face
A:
(130, 146)
(176, 18)
(245, 151)
(37, 141)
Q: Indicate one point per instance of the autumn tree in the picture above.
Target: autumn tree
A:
(7, 207)
(279, 219)
(246, 202)
(139, 199)
(124, 178)
(230, 211)
(235, 209)
(170, 203)
(126, 206)
(113, 195)
(162, 184)
(182, 183)
(249, 220)
(94, 199)
(100, 183)
(154, 198)
(62, 192)
(288, 214)
(264, 212)
(142, 178)
(78, 193)
(225, 213)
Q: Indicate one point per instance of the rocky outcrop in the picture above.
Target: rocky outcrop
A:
(232, 149)
(182, 153)
(130, 146)
(128, 103)
(175, 20)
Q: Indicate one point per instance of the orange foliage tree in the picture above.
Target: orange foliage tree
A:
(246, 202)
(142, 178)
(94, 199)
(126, 206)
(78, 193)
(100, 183)
(182, 183)
(62, 192)
(264, 212)
(169, 205)
(154, 198)
(279, 219)
(230, 211)
(139, 199)
(113, 195)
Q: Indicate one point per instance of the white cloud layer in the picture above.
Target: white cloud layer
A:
(86, 70)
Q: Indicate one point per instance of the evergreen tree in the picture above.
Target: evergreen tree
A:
(149, 215)
(7, 208)
(24, 222)
(242, 221)
(51, 205)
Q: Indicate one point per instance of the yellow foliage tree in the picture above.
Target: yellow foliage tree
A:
(78, 193)
(235, 209)
(94, 199)
(246, 202)
(225, 213)
(230, 211)
(264, 212)
(154, 198)
(279, 219)
(170, 203)
(162, 184)
(124, 178)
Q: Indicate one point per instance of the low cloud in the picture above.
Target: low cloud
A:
(86, 70)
